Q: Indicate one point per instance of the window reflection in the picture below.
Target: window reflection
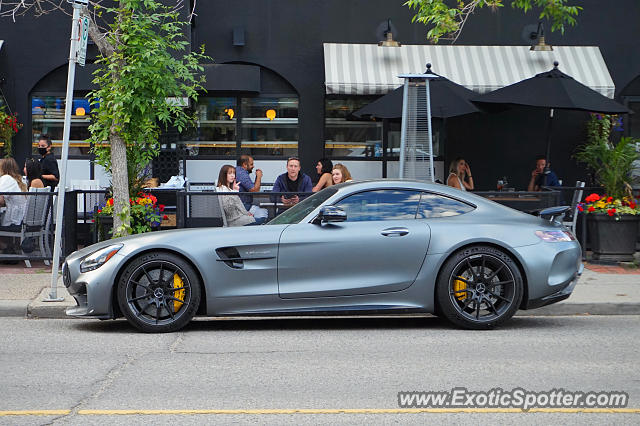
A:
(433, 205)
(48, 118)
(350, 136)
(215, 131)
(386, 204)
(270, 126)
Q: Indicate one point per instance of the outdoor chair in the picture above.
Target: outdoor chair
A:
(571, 218)
(204, 210)
(34, 221)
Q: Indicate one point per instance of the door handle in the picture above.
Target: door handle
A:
(394, 232)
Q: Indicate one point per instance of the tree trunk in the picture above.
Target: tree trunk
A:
(119, 182)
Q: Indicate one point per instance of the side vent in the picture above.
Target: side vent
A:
(231, 257)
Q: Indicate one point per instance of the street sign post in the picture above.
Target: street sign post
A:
(76, 37)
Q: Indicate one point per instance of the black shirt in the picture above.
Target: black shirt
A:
(49, 166)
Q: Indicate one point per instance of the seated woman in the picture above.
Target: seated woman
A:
(340, 174)
(11, 181)
(233, 208)
(323, 168)
(33, 172)
(460, 175)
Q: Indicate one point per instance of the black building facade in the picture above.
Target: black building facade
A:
(267, 95)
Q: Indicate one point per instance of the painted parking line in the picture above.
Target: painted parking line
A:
(321, 411)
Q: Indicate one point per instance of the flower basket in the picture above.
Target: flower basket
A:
(146, 216)
(612, 226)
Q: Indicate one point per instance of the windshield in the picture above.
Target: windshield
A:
(303, 208)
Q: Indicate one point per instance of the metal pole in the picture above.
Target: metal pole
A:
(403, 129)
(57, 243)
(433, 179)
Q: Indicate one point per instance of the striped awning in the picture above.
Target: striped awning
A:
(1, 43)
(366, 69)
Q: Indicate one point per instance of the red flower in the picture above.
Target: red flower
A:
(591, 198)
(99, 210)
(611, 212)
(580, 207)
(610, 199)
(161, 207)
(110, 202)
(632, 204)
(591, 209)
(165, 217)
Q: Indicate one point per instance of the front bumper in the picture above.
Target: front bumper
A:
(92, 291)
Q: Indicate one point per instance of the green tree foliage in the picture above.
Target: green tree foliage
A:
(446, 22)
(145, 63)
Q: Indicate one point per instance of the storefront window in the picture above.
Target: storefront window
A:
(270, 126)
(633, 119)
(215, 131)
(47, 114)
(346, 135)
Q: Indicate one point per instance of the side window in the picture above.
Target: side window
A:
(386, 204)
(434, 205)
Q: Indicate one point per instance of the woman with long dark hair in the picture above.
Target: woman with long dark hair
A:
(233, 208)
(323, 168)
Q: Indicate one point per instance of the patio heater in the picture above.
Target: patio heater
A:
(416, 144)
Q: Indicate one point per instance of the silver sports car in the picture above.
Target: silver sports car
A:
(361, 247)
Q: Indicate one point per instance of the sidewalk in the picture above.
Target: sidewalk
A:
(602, 290)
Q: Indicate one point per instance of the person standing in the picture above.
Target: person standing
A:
(460, 175)
(48, 163)
(243, 169)
(541, 176)
(292, 181)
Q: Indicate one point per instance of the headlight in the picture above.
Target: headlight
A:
(555, 236)
(99, 258)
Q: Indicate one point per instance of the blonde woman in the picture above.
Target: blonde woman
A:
(11, 181)
(460, 175)
(340, 174)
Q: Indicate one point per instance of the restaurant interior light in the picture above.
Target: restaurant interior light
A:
(230, 112)
(389, 42)
(541, 46)
(271, 114)
(80, 111)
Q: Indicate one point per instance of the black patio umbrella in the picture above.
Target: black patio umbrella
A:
(553, 89)
(448, 99)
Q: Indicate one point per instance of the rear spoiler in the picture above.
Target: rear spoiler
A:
(551, 213)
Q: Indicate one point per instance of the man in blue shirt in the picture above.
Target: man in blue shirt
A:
(243, 169)
(540, 176)
(292, 181)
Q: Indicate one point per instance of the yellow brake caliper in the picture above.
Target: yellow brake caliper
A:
(459, 285)
(178, 294)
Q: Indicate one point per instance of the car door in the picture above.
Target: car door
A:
(379, 248)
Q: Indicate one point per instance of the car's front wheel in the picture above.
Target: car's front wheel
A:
(159, 292)
(479, 287)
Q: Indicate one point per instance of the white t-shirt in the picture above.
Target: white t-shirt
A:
(15, 204)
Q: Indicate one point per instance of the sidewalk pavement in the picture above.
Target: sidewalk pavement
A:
(602, 290)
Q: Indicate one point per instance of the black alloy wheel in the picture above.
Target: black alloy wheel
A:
(159, 292)
(479, 288)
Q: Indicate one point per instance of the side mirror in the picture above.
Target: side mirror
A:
(332, 214)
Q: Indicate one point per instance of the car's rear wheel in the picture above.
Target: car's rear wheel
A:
(479, 287)
(159, 292)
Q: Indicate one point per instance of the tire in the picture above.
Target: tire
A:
(479, 288)
(159, 292)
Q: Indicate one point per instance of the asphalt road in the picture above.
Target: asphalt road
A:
(77, 366)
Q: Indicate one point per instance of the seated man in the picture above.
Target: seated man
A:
(292, 181)
(541, 176)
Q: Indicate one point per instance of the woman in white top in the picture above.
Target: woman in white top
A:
(233, 208)
(11, 181)
(460, 175)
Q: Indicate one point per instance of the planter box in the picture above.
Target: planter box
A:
(613, 239)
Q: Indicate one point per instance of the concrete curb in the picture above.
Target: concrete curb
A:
(56, 310)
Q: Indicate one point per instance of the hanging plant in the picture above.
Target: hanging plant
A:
(9, 126)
